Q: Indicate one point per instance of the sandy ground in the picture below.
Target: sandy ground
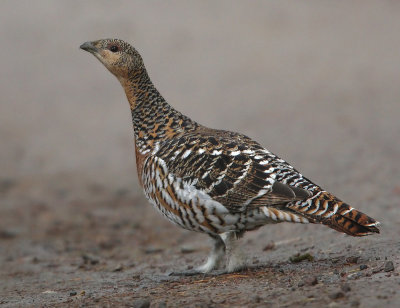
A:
(316, 82)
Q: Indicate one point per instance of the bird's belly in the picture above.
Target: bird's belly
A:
(202, 216)
(191, 208)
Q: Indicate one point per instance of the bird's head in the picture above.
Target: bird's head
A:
(118, 57)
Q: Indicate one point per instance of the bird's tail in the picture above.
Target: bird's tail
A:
(325, 208)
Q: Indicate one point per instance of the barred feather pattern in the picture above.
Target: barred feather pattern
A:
(216, 181)
(210, 180)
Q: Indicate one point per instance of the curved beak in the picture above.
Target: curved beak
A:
(88, 46)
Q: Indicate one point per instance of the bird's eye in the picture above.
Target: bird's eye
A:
(114, 48)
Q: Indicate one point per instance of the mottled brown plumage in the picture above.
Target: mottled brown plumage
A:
(214, 181)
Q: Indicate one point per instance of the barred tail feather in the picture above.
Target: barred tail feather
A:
(327, 209)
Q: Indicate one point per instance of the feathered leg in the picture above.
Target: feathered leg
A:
(236, 257)
(214, 259)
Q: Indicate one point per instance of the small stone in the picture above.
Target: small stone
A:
(345, 287)
(389, 266)
(118, 268)
(353, 259)
(141, 303)
(7, 234)
(311, 281)
(187, 249)
(298, 258)
(151, 250)
(355, 303)
(256, 299)
(35, 260)
(73, 293)
(269, 246)
(88, 259)
(6, 184)
(336, 295)
(300, 284)
(363, 267)
(355, 276)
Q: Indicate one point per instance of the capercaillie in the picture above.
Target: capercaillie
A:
(213, 181)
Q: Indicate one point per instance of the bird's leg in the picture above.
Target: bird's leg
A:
(236, 258)
(213, 261)
(216, 255)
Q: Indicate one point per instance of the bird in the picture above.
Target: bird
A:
(214, 181)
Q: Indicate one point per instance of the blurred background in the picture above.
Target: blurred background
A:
(316, 82)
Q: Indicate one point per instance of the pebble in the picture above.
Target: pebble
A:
(256, 299)
(353, 259)
(7, 234)
(162, 305)
(355, 275)
(73, 293)
(311, 281)
(336, 295)
(298, 258)
(88, 259)
(150, 250)
(363, 267)
(269, 246)
(141, 303)
(389, 266)
(187, 249)
(336, 272)
(6, 184)
(118, 268)
(345, 287)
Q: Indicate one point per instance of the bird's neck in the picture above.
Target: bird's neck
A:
(154, 120)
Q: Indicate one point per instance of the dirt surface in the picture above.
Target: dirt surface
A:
(315, 82)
